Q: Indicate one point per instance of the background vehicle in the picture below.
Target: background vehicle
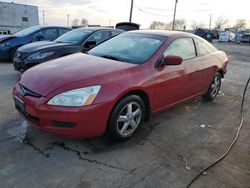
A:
(226, 36)
(127, 26)
(117, 86)
(10, 43)
(205, 34)
(243, 36)
(77, 40)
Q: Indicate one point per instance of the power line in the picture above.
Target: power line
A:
(151, 13)
(170, 10)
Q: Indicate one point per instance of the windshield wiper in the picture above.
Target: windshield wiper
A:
(110, 57)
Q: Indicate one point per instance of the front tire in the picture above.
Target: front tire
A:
(12, 53)
(126, 118)
(213, 89)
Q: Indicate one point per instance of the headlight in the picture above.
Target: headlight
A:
(76, 97)
(39, 55)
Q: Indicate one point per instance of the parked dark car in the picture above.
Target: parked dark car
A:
(77, 40)
(10, 43)
(127, 26)
(205, 33)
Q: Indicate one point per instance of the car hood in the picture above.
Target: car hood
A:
(47, 77)
(41, 45)
(6, 37)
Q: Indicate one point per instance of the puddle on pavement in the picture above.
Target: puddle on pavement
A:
(19, 133)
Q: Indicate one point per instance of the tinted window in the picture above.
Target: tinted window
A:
(27, 31)
(100, 36)
(75, 36)
(114, 33)
(129, 47)
(62, 31)
(203, 47)
(183, 47)
(46, 34)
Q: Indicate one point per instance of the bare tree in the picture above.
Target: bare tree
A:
(180, 24)
(195, 25)
(75, 22)
(157, 25)
(221, 22)
(240, 23)
(84, 22)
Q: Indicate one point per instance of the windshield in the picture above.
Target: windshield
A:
(129, 47)
(27, 31)
(75, 37)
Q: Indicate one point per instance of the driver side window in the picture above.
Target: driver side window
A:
(100, 36)
(183, 47)
(45, 34)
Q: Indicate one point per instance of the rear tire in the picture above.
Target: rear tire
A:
(126, 118)
(213, 89)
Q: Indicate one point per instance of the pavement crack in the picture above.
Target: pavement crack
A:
(27, 141)
(78, 153)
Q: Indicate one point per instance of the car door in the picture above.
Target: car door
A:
(175, 83)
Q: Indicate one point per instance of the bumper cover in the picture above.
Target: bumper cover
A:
(87, 121)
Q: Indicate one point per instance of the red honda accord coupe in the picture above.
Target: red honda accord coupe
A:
(118, 84)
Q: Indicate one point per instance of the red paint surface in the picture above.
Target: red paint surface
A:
(165, 86)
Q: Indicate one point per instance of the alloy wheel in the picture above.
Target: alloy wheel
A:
(129, 119)
(215, 87)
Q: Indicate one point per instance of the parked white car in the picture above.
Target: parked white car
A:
(226, 36)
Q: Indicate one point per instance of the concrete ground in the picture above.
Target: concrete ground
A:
(166, 152)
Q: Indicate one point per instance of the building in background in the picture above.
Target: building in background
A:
(15, 17)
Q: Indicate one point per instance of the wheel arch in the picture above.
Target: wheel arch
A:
(143, 95)
(221, 73)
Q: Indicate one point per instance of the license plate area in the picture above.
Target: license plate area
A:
(20, 106)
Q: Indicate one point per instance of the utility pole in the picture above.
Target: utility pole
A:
(131, 10)
(210, 21)
(43, 17)
(68, 19)
(175, 6)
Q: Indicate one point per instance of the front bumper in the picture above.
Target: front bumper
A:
(84, 122)
(23, 65)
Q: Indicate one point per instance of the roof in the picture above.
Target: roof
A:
(48, 26)
(128, 23)
(167, 33)
(19, 4)
(97, 28)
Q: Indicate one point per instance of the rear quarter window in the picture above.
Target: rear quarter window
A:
(203, 47)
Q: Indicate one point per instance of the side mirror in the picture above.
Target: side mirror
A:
(90, 44)
(172, 60)
(39, 37)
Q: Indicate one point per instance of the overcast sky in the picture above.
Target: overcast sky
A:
(106, 12)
